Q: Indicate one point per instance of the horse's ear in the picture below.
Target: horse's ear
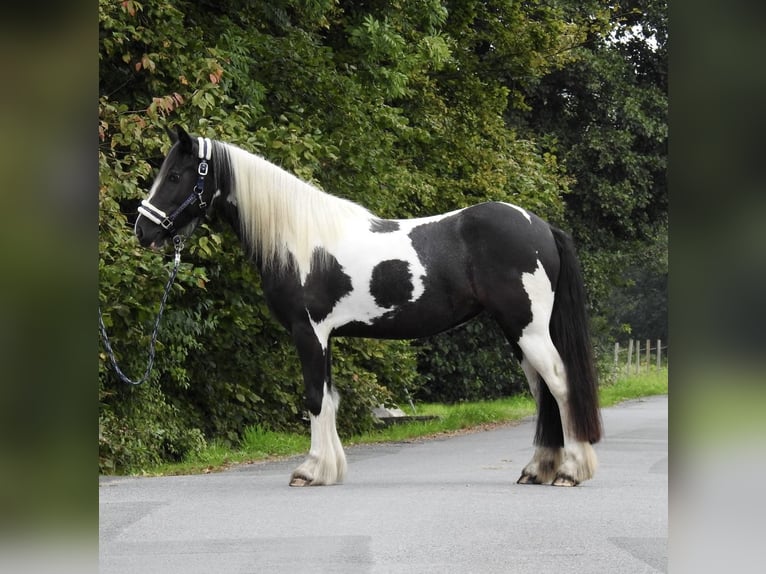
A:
(171, 134)
(184, 139)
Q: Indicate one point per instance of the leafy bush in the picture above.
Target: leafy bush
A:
(470, 363)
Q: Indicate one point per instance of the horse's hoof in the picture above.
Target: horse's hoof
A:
(564, 480)
(528, 479)
(297, 480)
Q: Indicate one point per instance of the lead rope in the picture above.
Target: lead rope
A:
(178, 244)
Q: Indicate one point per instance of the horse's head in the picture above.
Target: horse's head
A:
(180, 194)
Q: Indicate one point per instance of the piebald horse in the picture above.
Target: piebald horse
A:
(331, 267)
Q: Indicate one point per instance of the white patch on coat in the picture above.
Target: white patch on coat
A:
(540, 292)
(535, 340)
(358, 255)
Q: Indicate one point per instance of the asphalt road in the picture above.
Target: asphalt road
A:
(446, 505)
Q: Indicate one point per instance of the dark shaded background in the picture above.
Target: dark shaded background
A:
(48, 287)
(717, 285)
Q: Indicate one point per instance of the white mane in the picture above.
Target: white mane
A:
(281, 215)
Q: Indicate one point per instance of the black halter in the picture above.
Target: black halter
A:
(166, 221)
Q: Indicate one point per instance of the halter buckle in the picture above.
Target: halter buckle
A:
(178, 245)
(202, 169)
(166, 223)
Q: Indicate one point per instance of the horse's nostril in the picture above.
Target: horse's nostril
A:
(143, 239)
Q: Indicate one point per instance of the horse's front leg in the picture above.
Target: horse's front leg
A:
(326, 461)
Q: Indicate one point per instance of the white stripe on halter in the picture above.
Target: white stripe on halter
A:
(205, 148)
(151, 212)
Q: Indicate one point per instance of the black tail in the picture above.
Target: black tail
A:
(571, 336)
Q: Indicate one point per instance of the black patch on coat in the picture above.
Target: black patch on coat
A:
(325, 285)
(383, 226)
(480, 254)
(391, 283)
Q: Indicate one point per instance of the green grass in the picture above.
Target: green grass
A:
(257, 444)
(261, 444)
(634, 386)
(452, 418)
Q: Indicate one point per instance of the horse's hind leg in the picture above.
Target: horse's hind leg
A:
(548, 437)
(524, 313)
(326, 461)
(511, 309)
(578, 459)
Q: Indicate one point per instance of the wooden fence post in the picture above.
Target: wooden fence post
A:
(648, 355)
(634, 362)
(659, 354)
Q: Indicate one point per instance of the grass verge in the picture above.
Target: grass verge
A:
(261, 444)
(634, 386)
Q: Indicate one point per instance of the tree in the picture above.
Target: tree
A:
(604, 115)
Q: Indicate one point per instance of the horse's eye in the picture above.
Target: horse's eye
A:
(174, 178)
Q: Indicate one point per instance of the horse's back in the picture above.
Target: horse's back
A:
(502, 237)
